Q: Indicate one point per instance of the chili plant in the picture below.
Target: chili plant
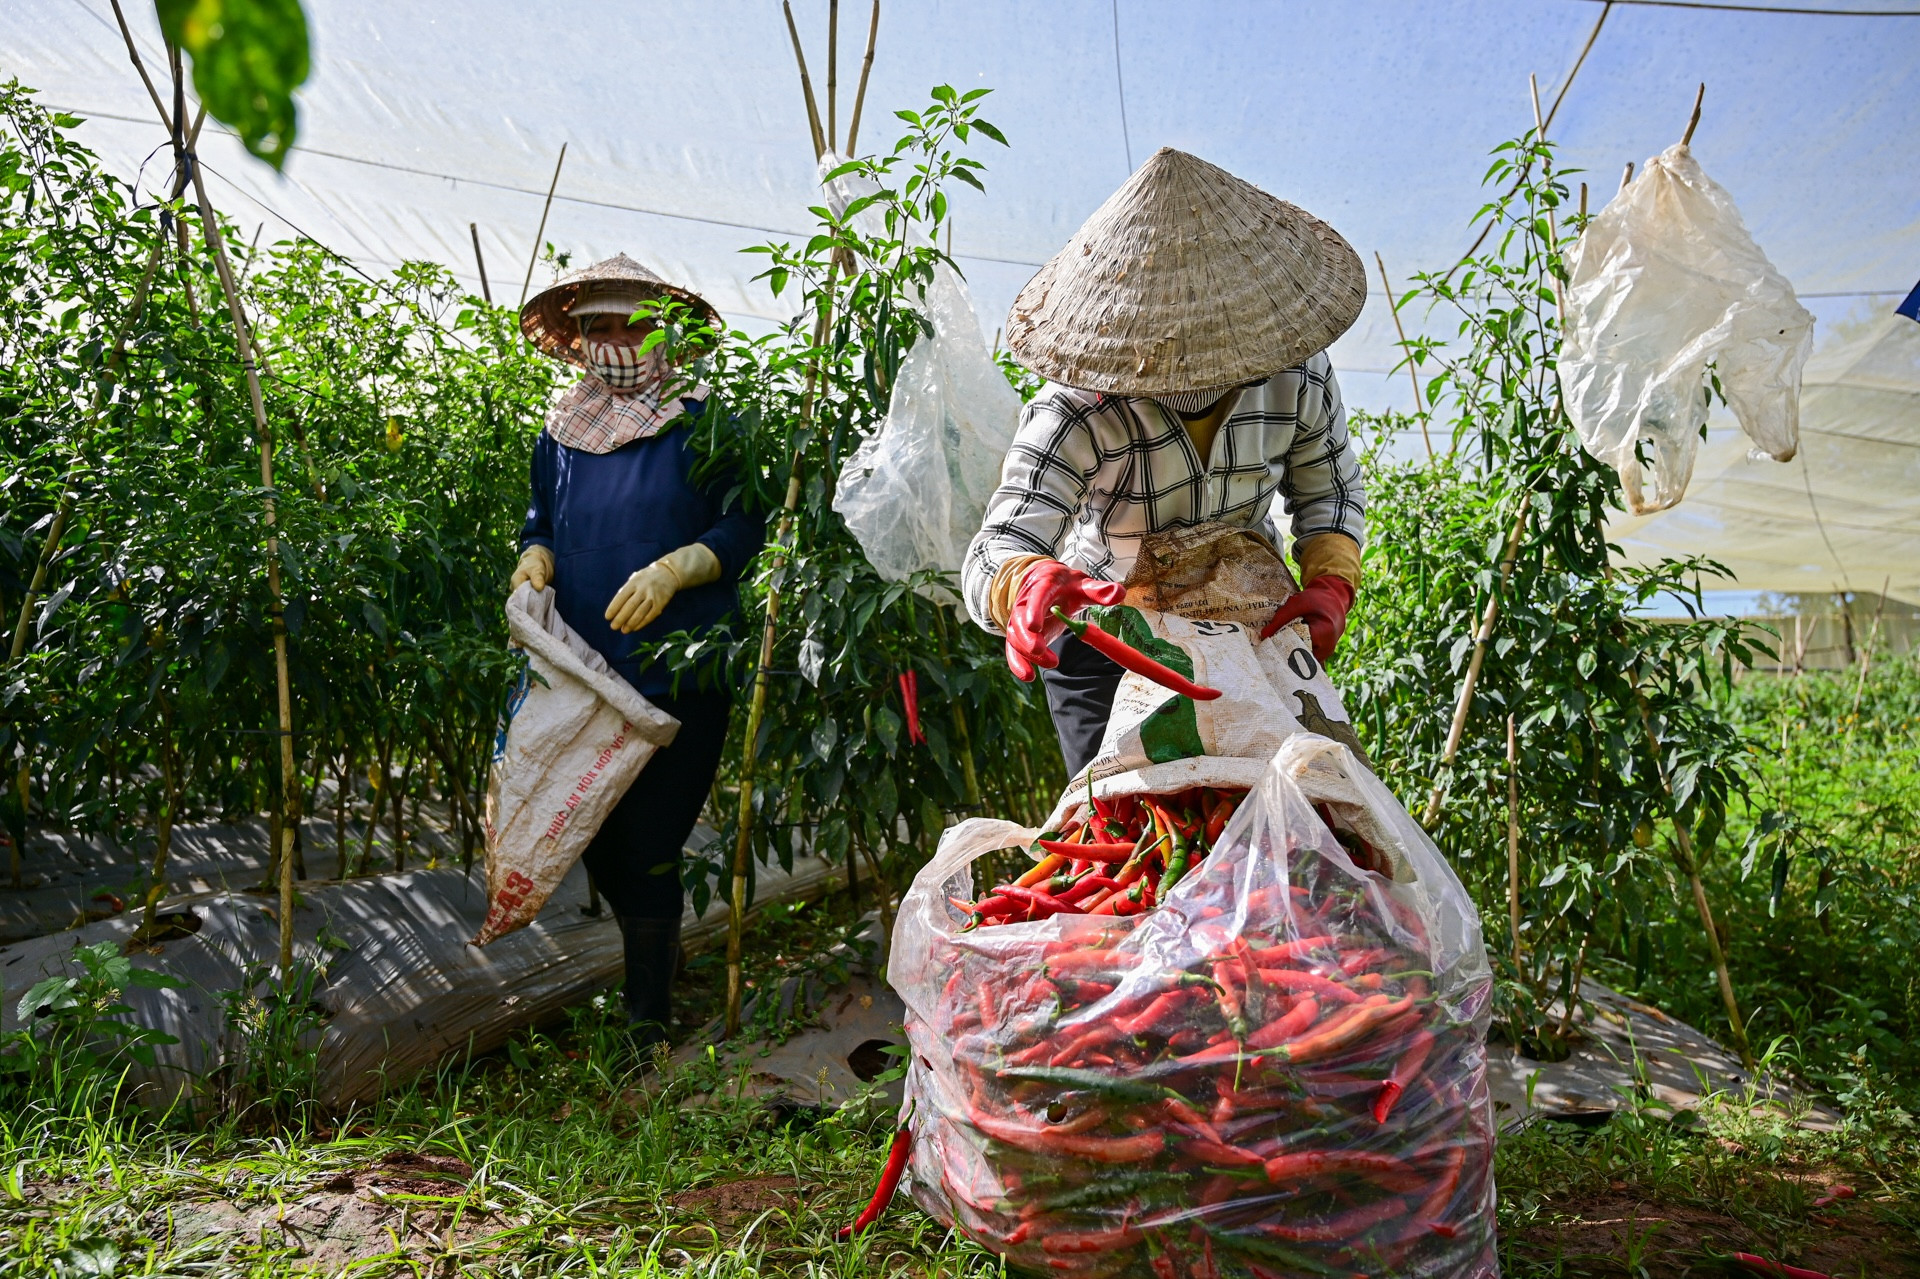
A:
(1623, 744)
(852, 651)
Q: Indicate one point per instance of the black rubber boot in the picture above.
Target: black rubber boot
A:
(653, 955)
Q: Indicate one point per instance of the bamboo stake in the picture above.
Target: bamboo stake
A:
(806, 85)
(1487, 619)
(1513, 840)
(866, 65)
(1866, 654)
(1693, 121)
(289, 776)
(1625, 177)
(757, 707)
(479, 260)
(1683, 855)
(1413, 374)
(833, 70)
(541, 234)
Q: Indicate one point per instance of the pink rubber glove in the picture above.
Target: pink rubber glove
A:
(1032, 628)
(1322, 604)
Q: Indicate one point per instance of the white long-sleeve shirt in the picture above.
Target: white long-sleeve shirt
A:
(1089, 475)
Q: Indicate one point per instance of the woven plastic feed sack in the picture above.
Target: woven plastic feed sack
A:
(1085, 1099)
(572, 739)
(1196, 601)
(914, 492)
(1666, 289)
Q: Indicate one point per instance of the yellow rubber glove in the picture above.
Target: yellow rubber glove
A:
(535, 566)
(648, 591)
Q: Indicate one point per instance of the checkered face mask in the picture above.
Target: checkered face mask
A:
(1193, 403)
(623, 368)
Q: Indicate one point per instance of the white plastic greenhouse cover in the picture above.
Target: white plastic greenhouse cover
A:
(1845, 513)
(686, 138)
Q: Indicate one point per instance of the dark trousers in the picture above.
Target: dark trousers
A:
(1080, 696)
(635, 858)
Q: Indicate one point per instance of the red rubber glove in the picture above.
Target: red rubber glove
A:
(1032, 628)
(1322, 604)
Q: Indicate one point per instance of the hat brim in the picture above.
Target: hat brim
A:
(549, 320)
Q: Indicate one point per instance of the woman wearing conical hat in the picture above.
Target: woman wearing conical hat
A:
(635, 549)
(1183, 332)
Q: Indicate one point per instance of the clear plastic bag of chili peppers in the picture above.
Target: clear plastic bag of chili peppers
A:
(1270, 1064)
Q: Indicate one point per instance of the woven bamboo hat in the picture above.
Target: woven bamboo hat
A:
(1186, 279)
(548, 318)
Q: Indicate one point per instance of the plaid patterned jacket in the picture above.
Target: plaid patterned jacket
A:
(1089, 475)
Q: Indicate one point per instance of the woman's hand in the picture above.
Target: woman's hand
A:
(535, 566)
(1032, 628)
(647, 593)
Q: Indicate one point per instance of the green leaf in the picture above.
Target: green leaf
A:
(248, 58)
(990, 131)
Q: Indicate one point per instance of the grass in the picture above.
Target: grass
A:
(564, 1156)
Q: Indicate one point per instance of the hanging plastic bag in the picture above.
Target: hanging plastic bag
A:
(572, 739)
(1278, 1069)
(914, 492)
(1664, 283)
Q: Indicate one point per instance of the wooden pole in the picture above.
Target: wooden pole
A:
(833, 71)
(1683, 856)
(1480, 639)
(1413, 374)
(757, 707)
(289, 776)
(541, 234)
(806, 85)
(479, 260)
(1866, 654)
(1693, 121)
(189, 169)
(1513, 841)
(860, 95)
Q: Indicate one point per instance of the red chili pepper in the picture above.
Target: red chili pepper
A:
(1309, 983)
(1092, 852)
(1127, 657)
(883, 1193)
(1344, 1030)
(1341, 1226)
(1834, 1195)
(1403, 1072)
(1390, 1173)
(1037, 901)
(1087, 888)
(1220, 1154)
(910, 698)
(1092, 1241)
(1044, 1141)
(1778, 1269)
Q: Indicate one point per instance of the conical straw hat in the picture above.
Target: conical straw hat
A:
(547, 321)
(1186, 279)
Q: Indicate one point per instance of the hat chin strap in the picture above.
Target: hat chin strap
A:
(1192, 403)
